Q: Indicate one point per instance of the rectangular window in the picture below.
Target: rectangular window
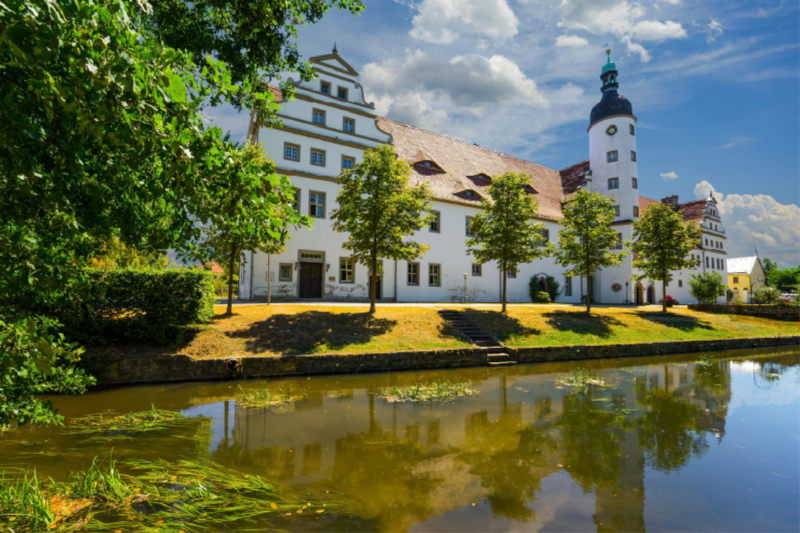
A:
(477, 270)
(735, 279)
(511, 274)
(433, 275)
(616, 210)
(291, 152)
(435, 222)
(469, 231)
(325, 87)
(612, 156)
(545, 233)
(346, 270)
(680, 283)
(319, 116)
(632, 129)
(296, 203)
(707, 266)
(316, 204)
(634, 183)
(285, 272)
(635, 211)
(348, 163)
(567, 286)
(633, 155)
(342, 93)
(349, 125)
(318, 157)
(413, 274)
(619, 242)
(613, 183)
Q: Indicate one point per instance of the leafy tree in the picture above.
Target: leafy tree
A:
(769, 266)
(663, 242)
(706, 287)
(503, 231)
(586, 243)
(254, 213)
(116, 254)
(766, 295)
(785, 279)
(378, 209)
(255, 38)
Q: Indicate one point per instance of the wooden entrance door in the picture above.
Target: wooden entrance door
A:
(651, 295)
(310, 280)
(639, 294)
(378, 291)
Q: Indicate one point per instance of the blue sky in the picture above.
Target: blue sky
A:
(715, 86)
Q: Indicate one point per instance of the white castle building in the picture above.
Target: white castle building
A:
(329, 124)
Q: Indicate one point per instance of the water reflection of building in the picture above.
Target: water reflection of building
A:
(410, 463)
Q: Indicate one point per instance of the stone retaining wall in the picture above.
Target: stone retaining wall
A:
(776, 312)
(126, 370)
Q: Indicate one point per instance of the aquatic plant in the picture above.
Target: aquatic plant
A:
(110, 424)
(267, 398)
(186, 495)
(425, 392)
(580, 380)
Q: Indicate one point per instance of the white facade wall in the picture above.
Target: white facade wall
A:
(624, 169)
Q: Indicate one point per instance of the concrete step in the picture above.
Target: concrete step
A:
(497, 357)
(495, 349)
(487, 344)
(503, 363)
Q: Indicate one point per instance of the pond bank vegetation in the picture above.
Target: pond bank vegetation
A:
(427, 392)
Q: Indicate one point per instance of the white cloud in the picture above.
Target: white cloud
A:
(652, 30)
(444, 21)
(714, 30)
(737, 141)
(636, 48)
(669, 176)
(467, 82)
(759, 218)
(571, 41)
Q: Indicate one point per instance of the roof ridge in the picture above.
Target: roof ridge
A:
(693, 202)
(473, 145)
(574, 165)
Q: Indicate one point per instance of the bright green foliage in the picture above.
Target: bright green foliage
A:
(535, 289)
(503, 230)
(586, 243)
(255, 38)
(147, 304)
(116, 254)
(706, 287)
(101, 135)
(769, 266)
(785, 279)
(254, 213)
(766, 295)
(378, 210)
(35, 361)
(663, 242)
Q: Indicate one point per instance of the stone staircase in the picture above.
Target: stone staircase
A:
(497, 354)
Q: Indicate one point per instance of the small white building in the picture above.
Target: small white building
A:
(329, 124)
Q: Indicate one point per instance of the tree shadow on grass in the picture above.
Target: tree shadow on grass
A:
(303, 333)
(672, 320)
(582, 324)
(503, 327)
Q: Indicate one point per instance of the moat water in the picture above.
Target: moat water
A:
(694, 442)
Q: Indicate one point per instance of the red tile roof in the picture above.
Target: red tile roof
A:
(573, 177)
(215, 268)
(461, 161)
(645, 202)
(694, 211)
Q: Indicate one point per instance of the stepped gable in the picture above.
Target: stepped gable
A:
(645, 202)
(693, 211)
(460, 161)
(573, 177)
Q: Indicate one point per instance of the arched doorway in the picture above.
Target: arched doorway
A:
(542, 284)
(745, 297)
(651, 294)
(638, 294)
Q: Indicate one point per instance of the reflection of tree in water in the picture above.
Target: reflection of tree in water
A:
(378, 469)
(504, 453)
(591, 442)
(668, 430)
(712, 376)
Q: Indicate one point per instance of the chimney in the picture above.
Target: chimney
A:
(671, 200)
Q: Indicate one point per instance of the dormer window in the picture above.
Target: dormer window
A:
(426, 163)
(469, 194)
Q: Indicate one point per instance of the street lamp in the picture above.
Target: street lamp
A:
(465, 287)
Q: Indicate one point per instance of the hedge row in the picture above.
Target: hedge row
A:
(140, 305)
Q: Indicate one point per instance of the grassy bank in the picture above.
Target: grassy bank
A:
(552, 326)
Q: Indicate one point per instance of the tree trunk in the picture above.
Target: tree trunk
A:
(505, 279)
(372, 285)
(588, 294)
(230, 279)
(269, 279)
(663, 296)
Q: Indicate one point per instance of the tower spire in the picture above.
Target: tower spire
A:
(609, 75)
(335, 51)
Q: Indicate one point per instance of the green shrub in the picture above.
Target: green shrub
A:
(140, 304)
(543, 298)
(706, 287)
(534, 289)
(766, 295)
